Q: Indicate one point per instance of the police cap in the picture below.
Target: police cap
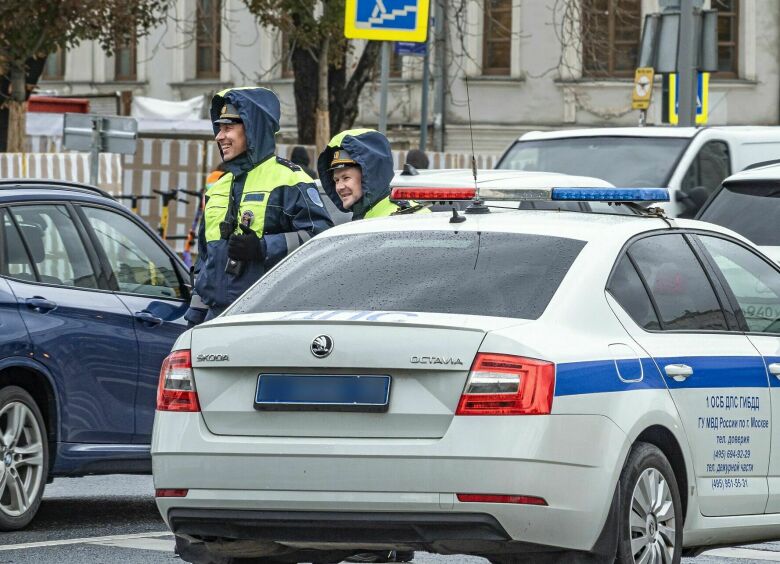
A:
(341, 159)
(228, 114)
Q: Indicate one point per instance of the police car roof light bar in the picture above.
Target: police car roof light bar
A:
(577, 194)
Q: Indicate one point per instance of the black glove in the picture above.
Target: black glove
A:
(247, 246)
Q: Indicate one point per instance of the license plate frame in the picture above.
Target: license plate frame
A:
(366, 393)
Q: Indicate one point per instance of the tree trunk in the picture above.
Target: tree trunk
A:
(17, 109)
(323, 117)
(350, 96)
(306, 70)
(34, 69)
(337, 80)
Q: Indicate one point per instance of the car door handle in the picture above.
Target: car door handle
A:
(678, 372)
(147, 318)
(39, 304)
(774, 368)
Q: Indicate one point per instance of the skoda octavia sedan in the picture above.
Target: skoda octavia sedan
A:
(522, 385)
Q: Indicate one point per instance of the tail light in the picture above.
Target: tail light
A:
(170, 492)
(176, 391)
(502, 384)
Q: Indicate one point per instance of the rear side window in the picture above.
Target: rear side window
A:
(496, 274)
(678, 284)
(55, 245)
(631, 294)
(16, 261)
(749, 209)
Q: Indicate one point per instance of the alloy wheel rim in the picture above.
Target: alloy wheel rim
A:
(21, 459)
(652, 520)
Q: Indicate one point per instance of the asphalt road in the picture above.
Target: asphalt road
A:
(108, 519)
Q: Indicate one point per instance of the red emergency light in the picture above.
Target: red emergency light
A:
(432, 194)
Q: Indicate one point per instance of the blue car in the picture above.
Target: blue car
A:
(91, 301)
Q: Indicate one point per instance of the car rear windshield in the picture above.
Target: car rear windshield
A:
(628, 162)
(495, 274)
(749, 209)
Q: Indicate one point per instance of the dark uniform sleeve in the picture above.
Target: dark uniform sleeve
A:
(197, 311)
(306, 215)
(202, 247)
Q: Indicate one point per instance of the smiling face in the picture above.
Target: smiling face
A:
(349, 186)
(231, 138)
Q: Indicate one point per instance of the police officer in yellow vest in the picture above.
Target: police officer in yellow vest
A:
(263, 207)
(356, 169)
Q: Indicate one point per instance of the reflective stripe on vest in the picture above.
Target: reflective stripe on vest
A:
(260, 182)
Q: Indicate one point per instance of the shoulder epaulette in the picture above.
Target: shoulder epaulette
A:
(405, 207)
(289, 164)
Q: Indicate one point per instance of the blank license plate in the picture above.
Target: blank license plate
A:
(322, 392)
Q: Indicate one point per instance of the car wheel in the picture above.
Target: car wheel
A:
(651, 520)
(24, 458)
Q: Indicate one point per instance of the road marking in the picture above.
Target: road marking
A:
(86, 540)
(158, 544)
(745, 554)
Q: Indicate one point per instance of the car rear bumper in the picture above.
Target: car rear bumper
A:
(331, 536)
(571, 461)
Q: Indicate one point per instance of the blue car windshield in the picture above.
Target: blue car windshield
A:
(623, 161)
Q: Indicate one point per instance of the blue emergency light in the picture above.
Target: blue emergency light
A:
(611, 194)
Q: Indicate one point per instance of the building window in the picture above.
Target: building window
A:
(728, 37)
(125, 59)
(54, 69)
(497, 42)
(208, 32)
(610, 37)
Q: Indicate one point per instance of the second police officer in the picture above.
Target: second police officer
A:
(263, 208)
(356, 169)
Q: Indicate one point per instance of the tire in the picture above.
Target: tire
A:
(651, 521)
(24, 458)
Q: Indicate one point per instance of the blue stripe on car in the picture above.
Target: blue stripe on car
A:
(600, 376)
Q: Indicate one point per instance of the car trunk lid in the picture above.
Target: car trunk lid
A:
(427, 357)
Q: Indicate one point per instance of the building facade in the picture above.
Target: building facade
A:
(530, 64)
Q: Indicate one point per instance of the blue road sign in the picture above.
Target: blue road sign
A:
(410, 49)
(386, 20)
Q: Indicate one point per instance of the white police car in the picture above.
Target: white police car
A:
(523, 385)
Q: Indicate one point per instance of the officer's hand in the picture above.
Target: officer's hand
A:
(247, 246)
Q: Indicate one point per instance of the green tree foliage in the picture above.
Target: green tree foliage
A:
(31, 29)
(306, 25)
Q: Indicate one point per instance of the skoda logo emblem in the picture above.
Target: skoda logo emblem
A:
(321, 346)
